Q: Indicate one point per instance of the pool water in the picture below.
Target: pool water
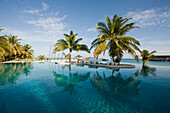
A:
(54, 88)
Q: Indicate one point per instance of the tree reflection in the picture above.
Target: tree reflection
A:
(70, 83)
(146, 71)
(116, 85)
(9, 73)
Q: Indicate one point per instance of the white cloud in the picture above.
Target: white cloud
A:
(45, 6)
(25, 36)
(91, 29)
(150, 17)
(46, 26)
(49, 24)
(31, 11)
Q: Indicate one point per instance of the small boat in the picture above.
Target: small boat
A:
(105, 59)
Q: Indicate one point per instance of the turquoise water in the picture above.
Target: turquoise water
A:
(158, 63)
(54, 88)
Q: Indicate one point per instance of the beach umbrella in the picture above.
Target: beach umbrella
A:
(79, 57)
(87, 59)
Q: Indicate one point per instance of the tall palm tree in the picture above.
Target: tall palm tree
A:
(146, 56)
(70, 43)
(112, 38)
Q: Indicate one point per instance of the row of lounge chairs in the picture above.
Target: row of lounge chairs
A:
(95, 63)
(107, 64)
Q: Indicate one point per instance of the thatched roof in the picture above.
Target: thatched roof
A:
(78, 56)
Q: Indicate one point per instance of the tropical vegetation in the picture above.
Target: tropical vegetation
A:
(113, 38)
(41, 57)
(146, 56)
(70, 43)
(11, 48)
(66, 55)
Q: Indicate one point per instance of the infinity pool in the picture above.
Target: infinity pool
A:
(54, 88)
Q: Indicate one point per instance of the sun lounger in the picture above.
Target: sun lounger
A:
(109, 63)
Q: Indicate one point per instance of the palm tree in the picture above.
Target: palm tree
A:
(41, 57)
(10, 47)
(66, 55)
(70, 43)
(28, 52)
(113, 39)
(146, 56)
(14, 42)
(5, 48)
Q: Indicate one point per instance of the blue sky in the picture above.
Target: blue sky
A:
(41, 23)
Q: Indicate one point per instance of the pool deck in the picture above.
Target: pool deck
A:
(107, 65)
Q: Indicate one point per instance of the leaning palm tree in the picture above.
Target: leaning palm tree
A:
(112, 38)
(70, 43)
(146, 56)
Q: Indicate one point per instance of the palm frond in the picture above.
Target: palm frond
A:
(60, 47)
(78, 40)
(152, 52)
(82, 47)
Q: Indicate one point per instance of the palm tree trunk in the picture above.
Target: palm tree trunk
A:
(113, 59)
(143, 62)
(70, 55)
(70, 70)
(113, 72)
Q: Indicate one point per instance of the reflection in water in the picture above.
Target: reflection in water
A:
(70, 83)
(110, 93)
(9, 73)
(114, 93)
(146, 71)
(116, 85)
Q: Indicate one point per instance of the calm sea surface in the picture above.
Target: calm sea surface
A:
(53, 88)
